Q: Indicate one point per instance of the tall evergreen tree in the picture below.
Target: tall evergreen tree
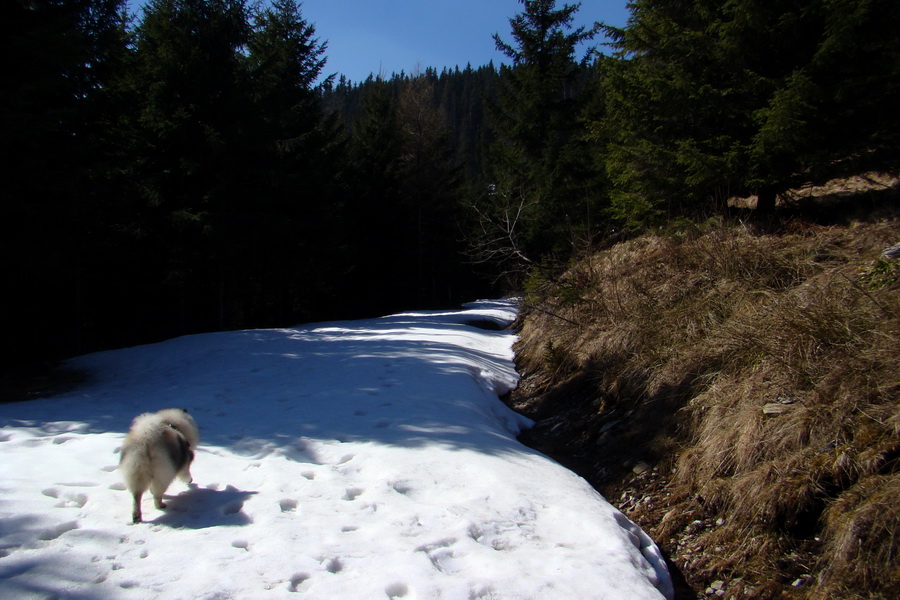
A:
(291, 211)
(535, 204)
(57, 59)
(429, 181)
(374, 203)
(190, 90)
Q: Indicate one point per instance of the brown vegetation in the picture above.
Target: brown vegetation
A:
(737, 393)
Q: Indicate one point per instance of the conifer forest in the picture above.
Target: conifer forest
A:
(199, 169)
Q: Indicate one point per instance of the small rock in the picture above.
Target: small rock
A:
(717, 585)
(639, 468)
(775, 408)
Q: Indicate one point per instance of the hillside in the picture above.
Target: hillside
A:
(735, 390)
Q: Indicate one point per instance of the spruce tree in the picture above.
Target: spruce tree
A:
(57, 60)
(429, 182)
(189, 86)
(532, 173)
(296, 157)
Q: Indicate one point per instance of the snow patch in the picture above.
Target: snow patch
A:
(359, 459)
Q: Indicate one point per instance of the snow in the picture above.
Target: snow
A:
(353, 460)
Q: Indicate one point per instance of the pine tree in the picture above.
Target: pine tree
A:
(56, 58)
(296, 157)
(429, 181)
(190, 90)
(532, 171)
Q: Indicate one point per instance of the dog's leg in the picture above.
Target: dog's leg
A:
(158, 487)
(136, 516)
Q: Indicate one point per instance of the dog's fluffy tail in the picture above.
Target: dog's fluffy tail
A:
(183, 422)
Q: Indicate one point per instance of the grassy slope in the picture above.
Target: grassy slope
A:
(736, 393)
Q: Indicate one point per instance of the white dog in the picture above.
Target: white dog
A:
(159, 446)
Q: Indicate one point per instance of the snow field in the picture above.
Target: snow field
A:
(364, 459)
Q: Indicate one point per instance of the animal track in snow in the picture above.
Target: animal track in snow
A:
(109, 468)
(51, 492)
(334, 565)
(440, 554)
(485, 592)
(396, 590)
(287, 505)
(309, 475)
(72, 501)
(51, 533)
(242, 544)
(401, 487)
(352, 493)
(297, 581)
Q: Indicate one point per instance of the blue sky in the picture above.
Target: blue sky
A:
(387, 36)
(367, 36)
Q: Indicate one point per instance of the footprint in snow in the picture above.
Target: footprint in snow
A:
(287, 505)
(72, 501)
(334, 565)
(440, 554)
(297, 582)
(352, 493)
(396, 590)
(402, 487)
(51, 533)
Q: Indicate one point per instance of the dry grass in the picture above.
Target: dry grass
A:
(762, 372)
